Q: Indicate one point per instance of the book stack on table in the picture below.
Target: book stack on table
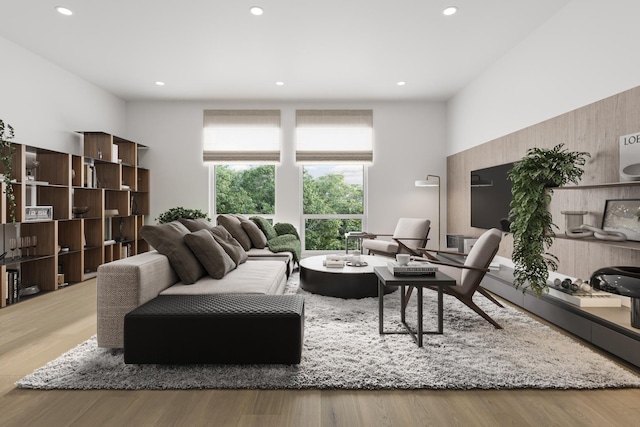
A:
(414, 268)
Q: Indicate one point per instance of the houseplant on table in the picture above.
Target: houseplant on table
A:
(180, 212)
(6, 153)
(533, 178)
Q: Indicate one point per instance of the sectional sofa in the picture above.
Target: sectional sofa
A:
(190, 257)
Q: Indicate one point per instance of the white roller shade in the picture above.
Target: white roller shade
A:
(330, 136)
(241, 136)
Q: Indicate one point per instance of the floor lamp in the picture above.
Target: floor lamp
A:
(433, 181)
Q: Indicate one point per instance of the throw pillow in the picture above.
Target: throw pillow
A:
(258, 239)
(285, 228)
(196, 224)
(229, 244)
(265, 226)
(168, 240)
(210, 254)
(234, 226)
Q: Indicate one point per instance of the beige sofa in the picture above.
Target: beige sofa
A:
(128, 283)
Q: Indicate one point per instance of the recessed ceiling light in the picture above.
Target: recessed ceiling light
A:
(279, 83)
(64, 11)
(401, 83)
(450, 11)
(160, 83)
(256, 10)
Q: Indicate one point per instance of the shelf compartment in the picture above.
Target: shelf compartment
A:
(117, 199)
(92, 197)
(127, 151)
(140, 203)
(77, 170)
(58, 197)
(98, 145)
(42, 272)
(71, 264)
(70, 234)
(47, 234)
(129, 178)
(18, 161)
(125, 233)
(143, 180)
(93, 258)
(93, 233)
(108, 175)
(54, 167)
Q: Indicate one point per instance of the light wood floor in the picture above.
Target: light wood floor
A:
(36, 331)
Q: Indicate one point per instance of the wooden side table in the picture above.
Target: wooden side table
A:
(386, 278)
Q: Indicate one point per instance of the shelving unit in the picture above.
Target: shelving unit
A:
(107, 179)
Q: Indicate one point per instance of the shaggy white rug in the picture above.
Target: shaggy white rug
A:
(343, 350)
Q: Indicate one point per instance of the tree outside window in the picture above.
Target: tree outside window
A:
(245, 189)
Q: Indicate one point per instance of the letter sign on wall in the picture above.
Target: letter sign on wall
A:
(630, 157)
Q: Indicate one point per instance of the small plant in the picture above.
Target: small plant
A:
(532, 225)
(180, 212)
(6, 153)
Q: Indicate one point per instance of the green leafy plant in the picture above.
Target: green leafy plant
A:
(6, 153)
(532, 225)
(180, 212)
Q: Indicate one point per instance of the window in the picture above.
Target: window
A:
(243, 146)
(245, 189)
(333, 204)
(333, 146)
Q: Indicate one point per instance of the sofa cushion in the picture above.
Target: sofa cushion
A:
(265, 226)
(196, 224)
(234, 226)
(258, 239)
(229, 244)
(211, 255)
(168, 239)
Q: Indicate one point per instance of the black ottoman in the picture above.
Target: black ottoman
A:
(232, 329)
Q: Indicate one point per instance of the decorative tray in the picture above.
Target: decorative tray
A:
(356, 264)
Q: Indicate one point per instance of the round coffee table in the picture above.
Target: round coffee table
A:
(344, 282)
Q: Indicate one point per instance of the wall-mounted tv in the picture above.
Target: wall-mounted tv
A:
(491, 197)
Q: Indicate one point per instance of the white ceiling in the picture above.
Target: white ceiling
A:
(325, 49)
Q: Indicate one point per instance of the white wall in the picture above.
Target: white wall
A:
(586, 52)
(409, 144)
(46, 104)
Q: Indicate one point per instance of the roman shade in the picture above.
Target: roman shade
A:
(241, 136)
(330, 136)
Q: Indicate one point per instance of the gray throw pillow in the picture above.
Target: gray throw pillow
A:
(234, 226)
(258, 239)
(210, 254)
(196, 224)
(229, 244)
(168, 239)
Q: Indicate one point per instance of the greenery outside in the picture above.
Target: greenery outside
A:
(249, 189)
(6, 153)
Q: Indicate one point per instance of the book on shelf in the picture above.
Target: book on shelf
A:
(414, 268)
(12, 286)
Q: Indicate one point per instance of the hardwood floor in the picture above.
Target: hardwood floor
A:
(36, 331)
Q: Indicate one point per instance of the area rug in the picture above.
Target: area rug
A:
(343, 350)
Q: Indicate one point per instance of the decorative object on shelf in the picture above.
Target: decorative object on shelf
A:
(134, 206)
(622, 216)
(79, 211)
(6, 152)
(180, 212)
(621, 280)
(433, 181)
(31, 164)
(572, 222)
(532, 225)
(38, 213)
(630, 157)
(601, 234)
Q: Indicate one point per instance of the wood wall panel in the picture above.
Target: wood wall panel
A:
(594, 128)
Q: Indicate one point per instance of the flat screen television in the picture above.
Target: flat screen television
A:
(491, 197)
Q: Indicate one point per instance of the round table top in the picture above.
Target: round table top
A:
(315, 263)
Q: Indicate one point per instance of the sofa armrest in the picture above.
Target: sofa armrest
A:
(124, 285)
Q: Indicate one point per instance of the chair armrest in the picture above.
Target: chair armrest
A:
(425, 250)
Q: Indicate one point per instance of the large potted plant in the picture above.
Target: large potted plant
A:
(6, 157)
(533, 180)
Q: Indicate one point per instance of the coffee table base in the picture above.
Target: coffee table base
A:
(341, 285)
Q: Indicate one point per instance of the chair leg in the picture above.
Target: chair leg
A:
(469, 303)
(489, 296)
(407, 297)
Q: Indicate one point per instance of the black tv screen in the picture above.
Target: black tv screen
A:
(491, 197)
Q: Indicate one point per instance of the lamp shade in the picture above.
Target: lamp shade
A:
(429, 181)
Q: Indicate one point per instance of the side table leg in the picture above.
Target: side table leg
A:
(403, 307)
(380, 306)
(419, 316)
(440, 326)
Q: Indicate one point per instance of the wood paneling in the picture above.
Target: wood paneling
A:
(594, 128)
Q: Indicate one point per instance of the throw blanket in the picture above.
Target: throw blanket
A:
(282, 237)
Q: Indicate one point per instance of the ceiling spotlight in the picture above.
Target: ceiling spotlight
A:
(64, 11)
(401, 83)
(279, 83)
(450, 11)
(160, 83)
(256, 10)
